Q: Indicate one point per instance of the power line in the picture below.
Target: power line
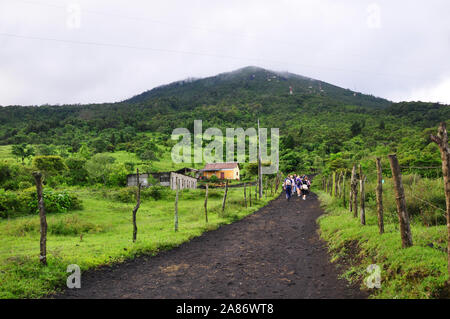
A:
(240, 35)
(126, 46)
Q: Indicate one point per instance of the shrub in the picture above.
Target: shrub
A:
(11, 175)
(99, 167)
(55, 202)
(50, 165)
(25, 185)
(76, 174)
(70, 225)
(156, 192)
(214, 179)
(5, 173)
(118, 175)
(9, 204)
(124, 195)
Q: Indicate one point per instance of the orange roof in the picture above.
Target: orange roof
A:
(219, 166)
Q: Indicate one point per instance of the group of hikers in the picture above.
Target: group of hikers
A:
(296, 184)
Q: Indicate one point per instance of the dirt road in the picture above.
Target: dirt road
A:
(274, 253)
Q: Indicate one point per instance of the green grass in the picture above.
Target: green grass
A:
(416, 272)
(107, 231)
(5, 153)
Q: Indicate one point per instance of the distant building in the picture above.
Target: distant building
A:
(189, 172)
(132, 180)
(168, 179)
(222, 170)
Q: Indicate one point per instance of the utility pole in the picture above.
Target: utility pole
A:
(260, 182)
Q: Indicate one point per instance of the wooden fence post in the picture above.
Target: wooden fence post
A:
(138, 204)
(245, 195)
(338, 184)
(176, 206)
(277, 181)
(206, 204)
(330, 185)
(343, 189)
(338, 180)
(403, 216)
(354, 192)
(379, 192)
(265, 190)
(442, 141)
(362, 196)
(224, 198)
(42, 217)
(333, 184)
(362, 201)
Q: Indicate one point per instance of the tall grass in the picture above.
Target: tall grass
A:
(101, 234)
(416, 272)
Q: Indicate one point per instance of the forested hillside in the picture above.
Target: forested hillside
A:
(319, 122)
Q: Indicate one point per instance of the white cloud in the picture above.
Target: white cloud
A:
(327, 40)
(436, 93)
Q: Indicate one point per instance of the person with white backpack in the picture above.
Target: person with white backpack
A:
(305, 187)
(287, 186)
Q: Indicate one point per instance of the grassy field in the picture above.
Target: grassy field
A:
(416, 272)
(5, 153)
(106, 230)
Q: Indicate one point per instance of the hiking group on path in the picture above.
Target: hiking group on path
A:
(296, 184)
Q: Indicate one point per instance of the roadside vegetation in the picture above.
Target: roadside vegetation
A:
(419, 271)
(101, 233)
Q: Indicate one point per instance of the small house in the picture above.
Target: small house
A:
(222, 170)
(168, 179)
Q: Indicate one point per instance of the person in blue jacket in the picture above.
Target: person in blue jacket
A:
(298, 184)
(287, 186)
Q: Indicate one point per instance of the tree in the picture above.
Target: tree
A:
(84, 151)
(49, 165)
(45, 150)
(99, 145)
(147, 155)
(99, 167)
(356, 128)
(288, 142)
(22, 151)
(77, 173)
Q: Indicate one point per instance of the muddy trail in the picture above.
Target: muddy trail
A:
(273, 253)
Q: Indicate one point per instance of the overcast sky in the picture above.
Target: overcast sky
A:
(60, 52)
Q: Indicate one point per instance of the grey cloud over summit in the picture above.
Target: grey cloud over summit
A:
(61, 52)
